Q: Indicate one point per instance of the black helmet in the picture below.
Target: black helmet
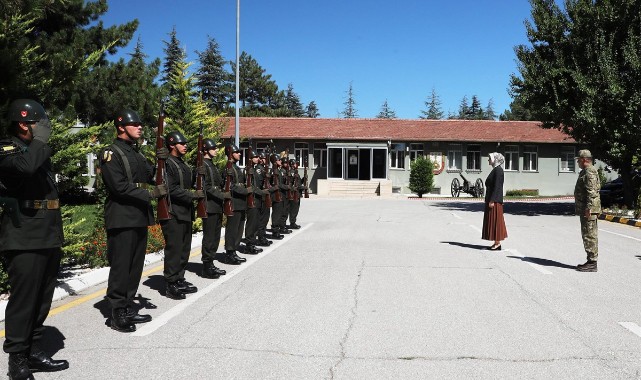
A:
(174, 138)
(262, 155)
(233, 147)
(252, 153)
(209, 144)
(127, 117)
(274, 157)
(26, 110)
(292, 162)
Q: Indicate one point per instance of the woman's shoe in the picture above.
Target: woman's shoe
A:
(495, 248)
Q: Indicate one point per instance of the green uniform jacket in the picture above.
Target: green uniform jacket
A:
(25, 170)
(180, 181)
(586, 191)
(214, 185)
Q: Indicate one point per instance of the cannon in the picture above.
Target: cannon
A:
(477, 190)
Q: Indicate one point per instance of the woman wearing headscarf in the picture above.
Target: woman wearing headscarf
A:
(493, 221)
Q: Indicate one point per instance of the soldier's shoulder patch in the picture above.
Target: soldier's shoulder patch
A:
(9, 147)
(106, 155)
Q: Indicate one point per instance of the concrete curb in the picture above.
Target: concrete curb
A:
(73, 285)
(506, 200)
(620, 219)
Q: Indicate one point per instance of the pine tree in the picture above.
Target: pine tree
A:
(292, 102)
(475, 111)
(259, 94)
(433, 104)
(350, 111)
(215, 83)
(312, 110)
(386, 112)
(174, 54)
(489, 110)
(463, 109)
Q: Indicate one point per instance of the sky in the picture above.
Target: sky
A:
(394, 51)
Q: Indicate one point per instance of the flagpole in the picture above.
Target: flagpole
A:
(237, 132)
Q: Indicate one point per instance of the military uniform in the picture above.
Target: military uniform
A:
(253, 213)
(177, 230)
(285, 187)
(128, 213)
(260, 173)
(586, 195)
(294, 205)
(235, 223)
(212, 225)
(31, 238)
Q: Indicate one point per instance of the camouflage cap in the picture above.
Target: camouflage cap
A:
(584, 153)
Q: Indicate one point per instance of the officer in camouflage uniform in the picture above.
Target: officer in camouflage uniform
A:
(587, 204)
(31, 237)
(177, 230)
(127, 176)
(212, 224)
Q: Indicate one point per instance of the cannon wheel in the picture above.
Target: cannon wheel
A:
(456, 189)
(480, 189)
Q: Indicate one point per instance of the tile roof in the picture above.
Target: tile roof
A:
(395, 129)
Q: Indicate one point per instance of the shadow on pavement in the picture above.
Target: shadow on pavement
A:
(104, 307)
(52, 340)
(143, 303)
(196, 268)
(544, 262)
(513, 208)
(156, 282)
(466, 245)
(638, 257)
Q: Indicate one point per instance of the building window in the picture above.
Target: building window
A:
(454, 157)
(474, 157)
(567, 159)
(397, 156)
(301, 151)
(512, 157)
(262, 147)
(530, 158)
(320, 155)
(416, 150)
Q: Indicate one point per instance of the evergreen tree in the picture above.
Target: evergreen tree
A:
(386, 112)
(312, 110)
(517, 111)
(433, 104)
(475, 111)
(292, 102)
(463, 109)
(581, 74)
(215, 83)
(489, 110)
(350, 111)
(174, 54)
(259, 95)
(421, 176)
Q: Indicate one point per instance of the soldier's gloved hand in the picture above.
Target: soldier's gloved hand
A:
(158, 191)
(250, 189)
(201, 170)
(198, 194)
(227, 195)
(42, 130)
(162, 153)
(230, 172)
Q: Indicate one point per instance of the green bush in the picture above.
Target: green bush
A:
(522, 193)
(421, 176)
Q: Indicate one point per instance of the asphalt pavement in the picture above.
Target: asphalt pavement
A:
(387, 289)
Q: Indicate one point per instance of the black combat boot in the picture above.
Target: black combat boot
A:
(120, 322)
(186, 286)
(172, 290)
(19, 366)
(294, 226)
(134, 317)
(589, 266)
(231, 258)
(263, 240)
(209, 271)
(39, 361)
(284, 230)
(240, 259)
(252, 250)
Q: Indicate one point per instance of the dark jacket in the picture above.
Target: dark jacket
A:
(214, 187)
(494, 186)
(238, 190)
(127, 204)
(181, 196)
(25, 171)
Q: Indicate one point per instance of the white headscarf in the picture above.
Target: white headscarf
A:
(496, 159)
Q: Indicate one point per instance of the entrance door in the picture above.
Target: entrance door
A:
(365, 164)
(352, 163)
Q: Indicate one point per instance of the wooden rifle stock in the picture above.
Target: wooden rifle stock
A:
(201, 208)
(288, 179)
(306, 193)
(249, 173)
(277, 196)
(228, 205)
(267, 198)
(296, 182)
(162, 212)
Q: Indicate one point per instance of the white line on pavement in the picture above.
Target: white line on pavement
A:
(457, 216)
(632, 327)
(162, 319)
(475, 228)
(535, 266)
(622, 235)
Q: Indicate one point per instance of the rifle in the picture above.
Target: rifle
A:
(296, 178)
(288, 181)
(161, 176)
(228, 205)
(201, 208)
(249, 173)
(306, 194)
(277, 196)
(266, 185)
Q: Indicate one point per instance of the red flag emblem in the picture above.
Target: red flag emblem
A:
(23, 113)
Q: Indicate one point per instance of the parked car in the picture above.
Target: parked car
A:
(612, 192)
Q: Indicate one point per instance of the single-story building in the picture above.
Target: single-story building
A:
(364, 156)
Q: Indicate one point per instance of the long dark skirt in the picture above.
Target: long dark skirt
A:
(493, 223)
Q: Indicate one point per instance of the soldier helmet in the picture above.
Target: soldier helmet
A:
(127, 117)
(233, 148)
(584, 153)
(292, 162)
(252, 153)
(28, 110)
(274, 157)
(262, 155)
(174, 138)
(209, 144)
